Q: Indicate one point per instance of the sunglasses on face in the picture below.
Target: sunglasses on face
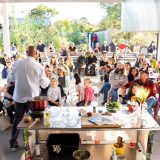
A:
(8, 62)
(144, 64)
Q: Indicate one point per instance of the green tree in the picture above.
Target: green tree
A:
(112, 19)
(42, 12)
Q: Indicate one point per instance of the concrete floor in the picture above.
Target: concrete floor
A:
(5, 153)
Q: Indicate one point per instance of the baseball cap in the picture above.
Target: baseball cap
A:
(144, 71)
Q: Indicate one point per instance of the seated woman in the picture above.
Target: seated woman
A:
(88, 93)
(146, 65)
(69, 62)
(79, 87)
(65, 68)
(133, 74)
(61, 77)
(97, 48)
(102, 63)
(7, 69)
(54, 93)
(131, 96)
(53, 61)
(111, 63)
(128, 67)
(106, 69)
(114, 58)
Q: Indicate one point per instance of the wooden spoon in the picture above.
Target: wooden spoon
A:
(35, 121)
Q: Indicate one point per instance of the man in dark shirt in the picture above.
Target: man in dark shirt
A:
(40, 46)
(81, 62)
(91, 61)
(112, 46)
(147, 84)
(72, 49)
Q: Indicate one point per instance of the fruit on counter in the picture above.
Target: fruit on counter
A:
(134, 98)
(27, 119)
(89, 114)
(130, 108)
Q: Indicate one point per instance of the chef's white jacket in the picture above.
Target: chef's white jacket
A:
(28, 76)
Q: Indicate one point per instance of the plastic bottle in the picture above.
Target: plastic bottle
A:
(47, 116)
(37, 147)
(113, 156)
(139, 155)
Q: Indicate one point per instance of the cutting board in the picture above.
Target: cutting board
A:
(87, 124)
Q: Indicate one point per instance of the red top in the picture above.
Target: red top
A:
(95, 38)
(122, 46)
(148, 85)
(89, 94)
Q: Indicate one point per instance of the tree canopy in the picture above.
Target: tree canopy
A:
(38, 25)
(42, 12)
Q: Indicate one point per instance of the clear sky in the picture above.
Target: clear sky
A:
(91, 11)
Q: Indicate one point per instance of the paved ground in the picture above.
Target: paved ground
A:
(5, 153)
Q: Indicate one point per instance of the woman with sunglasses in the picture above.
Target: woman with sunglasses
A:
(146, 65)
(7, 69)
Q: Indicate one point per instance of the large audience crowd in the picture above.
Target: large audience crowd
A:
(113, 73)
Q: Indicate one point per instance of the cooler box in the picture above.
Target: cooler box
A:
(62, 144)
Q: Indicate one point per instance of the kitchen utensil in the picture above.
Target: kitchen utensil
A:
(35, 121)
(39, 103)
(81, 154)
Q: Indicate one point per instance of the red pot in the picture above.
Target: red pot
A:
(39, 103)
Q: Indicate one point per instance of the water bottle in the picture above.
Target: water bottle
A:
(37, 147)
(113, 156)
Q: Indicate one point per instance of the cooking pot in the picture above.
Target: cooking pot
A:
(38, 103)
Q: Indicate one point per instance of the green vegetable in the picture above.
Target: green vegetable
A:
(113, 106)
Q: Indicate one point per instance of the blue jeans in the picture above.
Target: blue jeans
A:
(151, 103)
(114, 94)
(104, 90)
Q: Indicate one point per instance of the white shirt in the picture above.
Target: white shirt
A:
(54, 93)
(28, 75)
(80, 90)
